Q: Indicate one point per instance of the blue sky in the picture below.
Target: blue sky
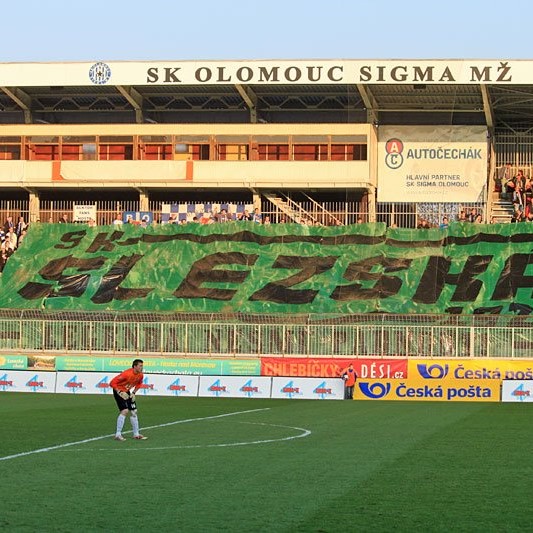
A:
(111, 30)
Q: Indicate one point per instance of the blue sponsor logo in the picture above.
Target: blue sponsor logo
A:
(374, 390)
(249, 389)
(433, 371)
(5, 383)
(74, 385)
(290, 390)
(323, 391)
(176, 387)
(217, 389)
(521, 393)
(103, 385)
(147, 387)
(377, 391)
(34, 384)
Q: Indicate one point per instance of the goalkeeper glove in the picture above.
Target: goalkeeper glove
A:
(124, 395)
(132, 396)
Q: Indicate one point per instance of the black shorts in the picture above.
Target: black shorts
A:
(122, 403)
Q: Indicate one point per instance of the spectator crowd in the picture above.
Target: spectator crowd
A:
(11, 235)
(519, 190)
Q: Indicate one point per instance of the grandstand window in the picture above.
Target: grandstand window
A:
(43, 139)
(188, 152)
(88, 151)
(116, 139)
(310, 152)
(78, 139)
(10, 147)
(9, 151)
(115, 152)
(273, 152)
(44, 152)
(232, 147)
(271, 147)
(156, 151)
(360, 152)
(71, 152)
(232, 152)
(348, 152)
(194, 147)
(115, 147)
(199, 152)
(43, 148)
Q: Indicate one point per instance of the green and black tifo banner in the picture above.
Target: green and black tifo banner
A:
(286, 268)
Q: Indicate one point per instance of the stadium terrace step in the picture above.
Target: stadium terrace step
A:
(502, 211)
(294, 212)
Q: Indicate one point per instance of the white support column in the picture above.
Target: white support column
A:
(144, 200)
(371, 204)
(34, 206)
(256, 200)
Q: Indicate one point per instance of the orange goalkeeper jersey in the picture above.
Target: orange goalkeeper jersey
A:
(126, 380)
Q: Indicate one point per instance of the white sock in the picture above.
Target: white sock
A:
(134, 424)
(120, 424)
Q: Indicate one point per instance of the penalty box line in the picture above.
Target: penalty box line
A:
(102, 437)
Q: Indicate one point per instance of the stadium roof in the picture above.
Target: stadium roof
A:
(496, 93)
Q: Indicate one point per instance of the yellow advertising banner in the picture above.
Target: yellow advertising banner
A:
(437, 390)
(465, 369)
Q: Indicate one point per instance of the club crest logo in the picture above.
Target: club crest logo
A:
(100, 73)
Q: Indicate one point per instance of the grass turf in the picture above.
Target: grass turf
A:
(366, 466)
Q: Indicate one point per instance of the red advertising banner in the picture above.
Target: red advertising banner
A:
(330, 368)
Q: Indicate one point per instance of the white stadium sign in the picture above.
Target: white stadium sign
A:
(432, 163)
(282, 72)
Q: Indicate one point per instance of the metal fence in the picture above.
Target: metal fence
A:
(409, 215)
(266, 335)
(514, 148)
(401, 214)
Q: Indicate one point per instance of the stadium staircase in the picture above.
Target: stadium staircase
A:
(296, 213)
(502, 209)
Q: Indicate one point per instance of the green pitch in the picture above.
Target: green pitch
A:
(271, 465)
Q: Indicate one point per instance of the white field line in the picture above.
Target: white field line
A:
(102, 437)
(304, 433)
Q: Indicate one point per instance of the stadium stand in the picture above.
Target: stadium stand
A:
(298, 141)
(401, 144)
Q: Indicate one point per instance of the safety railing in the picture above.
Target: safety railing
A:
(268, 335)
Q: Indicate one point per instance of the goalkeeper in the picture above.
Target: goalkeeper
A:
(125, 385)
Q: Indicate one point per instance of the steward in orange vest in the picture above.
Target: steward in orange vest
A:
(349, 376)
